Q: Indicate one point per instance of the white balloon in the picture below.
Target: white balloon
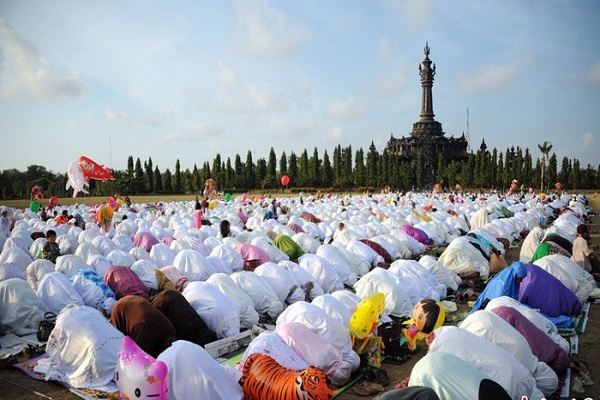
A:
(76, 179)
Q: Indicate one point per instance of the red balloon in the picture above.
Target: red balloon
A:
(53, 202)
(37, 192)
(92, 170)
(285, 180)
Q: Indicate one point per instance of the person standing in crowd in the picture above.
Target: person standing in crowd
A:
(583, 254)
(5, 223)
(43, 214)
(198, 214)
(51, 249)
(273, 209)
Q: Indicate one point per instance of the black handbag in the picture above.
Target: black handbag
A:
(391, 336)
(46, 326)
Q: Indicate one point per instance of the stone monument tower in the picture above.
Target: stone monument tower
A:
(427, 137)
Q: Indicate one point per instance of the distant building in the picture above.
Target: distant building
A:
(427, 136)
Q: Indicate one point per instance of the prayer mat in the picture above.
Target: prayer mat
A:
(87, 394)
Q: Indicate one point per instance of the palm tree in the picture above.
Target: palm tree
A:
(545, 149)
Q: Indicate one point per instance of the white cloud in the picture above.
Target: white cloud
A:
(112, 115)
(303, 93)
(384, 52)
(25, 73)
(196, 133)
(588, 138)
(281, 126)
(335, 133)
(416, 13)
(227, 76)
(494, 78)
(158, 119)
(396, 82)
(264, 99)
(343, 109)
(593, 74)
(268, 32)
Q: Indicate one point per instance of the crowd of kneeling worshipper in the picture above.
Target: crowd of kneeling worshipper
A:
(136, 304)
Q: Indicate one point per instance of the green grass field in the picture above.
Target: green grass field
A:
(67, 201)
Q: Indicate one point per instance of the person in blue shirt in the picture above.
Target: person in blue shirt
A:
(504, 283)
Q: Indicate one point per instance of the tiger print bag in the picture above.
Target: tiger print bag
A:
(263, 378)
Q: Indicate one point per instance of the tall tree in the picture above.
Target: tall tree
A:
(527, 169)
(303, 170)
(440, 177)
(347, 173)
(249, 171)
(271, 170)
(478, 174)
(576, 175)
(468, 171)
(393, 170)
(293, 169)
(178, 181)
(263, 178)
(157, 178)
(196, 180)
(453, 173)
(494, 169)
(283, 164)
(315, 169)
(238, 167)
(385, 169)
(545, 150)
(565, 172)
(205, 174)
(519, 165)
(139, 176)
(406, 177)
(500, 172)
(588, 177)
(551, 171)
(488, 167)
(360, 173)
(326, 171)
(149, 179)
(167, 181)
(186, 181)
(337, 166)
(420, 170)
(130, 167)
(216, 168)
(229, 173)
(372, 174)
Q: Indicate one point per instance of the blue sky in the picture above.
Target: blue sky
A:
(189, 79)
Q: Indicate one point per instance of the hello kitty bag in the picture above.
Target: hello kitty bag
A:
(138, 375)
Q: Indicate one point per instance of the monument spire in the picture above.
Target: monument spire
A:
(427, 140)
(427, 72)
